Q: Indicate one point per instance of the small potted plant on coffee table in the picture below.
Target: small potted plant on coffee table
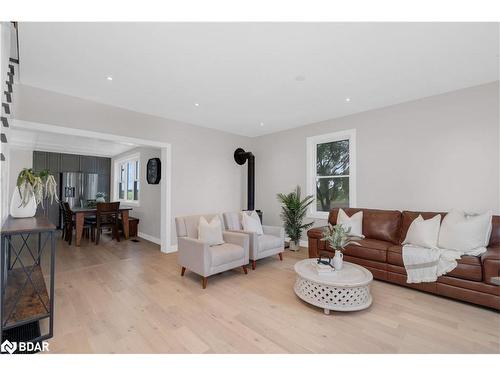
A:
(338, 238)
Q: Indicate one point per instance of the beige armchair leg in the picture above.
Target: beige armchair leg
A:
(281, 256)
(245, 269)
(254, 264)
(204, 281)
(183, 270)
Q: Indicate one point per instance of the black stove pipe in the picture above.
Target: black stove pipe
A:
(240, 156)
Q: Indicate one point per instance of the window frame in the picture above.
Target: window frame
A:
(133, 158)
(311, 168)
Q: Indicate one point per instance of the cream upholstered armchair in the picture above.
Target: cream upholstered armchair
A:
(272, 242)
(205, 260)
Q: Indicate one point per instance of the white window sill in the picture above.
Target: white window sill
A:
(318, 215)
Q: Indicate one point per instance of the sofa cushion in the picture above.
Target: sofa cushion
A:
(469, 267)
(267, 242)
(226, 253)
(380, 225)
(369, 249)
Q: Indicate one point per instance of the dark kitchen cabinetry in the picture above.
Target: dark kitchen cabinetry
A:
(58, 163)
(39, 161)
(103, 166)
(103, 185)
(70, 163)
(88, 164)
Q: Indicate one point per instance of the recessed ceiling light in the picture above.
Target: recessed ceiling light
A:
(347, 99)
(109, 78)
(261, 124)
(300, 78)
(196, 104)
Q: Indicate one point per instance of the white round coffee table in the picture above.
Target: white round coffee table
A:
(344, 290)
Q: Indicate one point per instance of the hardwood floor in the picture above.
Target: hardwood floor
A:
(129, 298)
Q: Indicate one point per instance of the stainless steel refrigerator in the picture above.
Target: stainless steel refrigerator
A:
(76, 188)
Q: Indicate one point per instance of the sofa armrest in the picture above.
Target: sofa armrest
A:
(236, 238)
(491, 264)
(316, 233)
(274, 231)
(194, 255)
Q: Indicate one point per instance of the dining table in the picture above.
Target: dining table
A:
(82, 212)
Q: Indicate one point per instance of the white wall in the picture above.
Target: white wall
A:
(148, 211)
(205, 177)
(434, 154)
(19, 159)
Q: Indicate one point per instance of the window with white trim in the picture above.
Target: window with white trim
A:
(127, 176)
(331, 172)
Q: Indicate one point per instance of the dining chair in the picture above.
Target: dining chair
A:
(107, 216)
(69, 223)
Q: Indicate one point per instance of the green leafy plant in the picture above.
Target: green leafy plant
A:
(293, 211)
(338, 237)
(42, 186)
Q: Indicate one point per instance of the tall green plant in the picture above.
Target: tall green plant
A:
(293, 211)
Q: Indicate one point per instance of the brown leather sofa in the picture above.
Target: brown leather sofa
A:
(381, 253)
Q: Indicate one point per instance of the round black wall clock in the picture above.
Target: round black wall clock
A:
(153, 171)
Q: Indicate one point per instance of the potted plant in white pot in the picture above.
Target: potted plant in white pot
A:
(32, 189)
(293, 211)
(338, 238)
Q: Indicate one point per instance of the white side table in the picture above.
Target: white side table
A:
(344, 290)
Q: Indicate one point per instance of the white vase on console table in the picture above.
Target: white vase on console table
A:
(16, 208)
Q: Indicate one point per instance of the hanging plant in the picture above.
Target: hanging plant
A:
(41, 186)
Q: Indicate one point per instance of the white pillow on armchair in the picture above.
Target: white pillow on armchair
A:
(210, 233)
(251, 223)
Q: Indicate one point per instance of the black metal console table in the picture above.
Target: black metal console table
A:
(26, 267)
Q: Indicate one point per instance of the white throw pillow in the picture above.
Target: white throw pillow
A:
(424, 233)
(210, 232)
(355, 222)
(463, 232)
(251, 223)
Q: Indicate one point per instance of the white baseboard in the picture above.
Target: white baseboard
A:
(149, 238)
(170, 249)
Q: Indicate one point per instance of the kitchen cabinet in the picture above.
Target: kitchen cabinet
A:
(103, 185)
(39, 161)
(88, 164)
(103, 166)
(70, 163)
(54, 163)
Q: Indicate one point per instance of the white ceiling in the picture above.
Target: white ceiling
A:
(65, 143)
(242, 74)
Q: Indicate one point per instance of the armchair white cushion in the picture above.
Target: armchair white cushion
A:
(271, 242)
(205, 260)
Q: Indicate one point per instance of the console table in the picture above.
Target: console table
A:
(25, 267)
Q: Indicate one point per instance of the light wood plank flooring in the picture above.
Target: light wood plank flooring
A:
(129, 298)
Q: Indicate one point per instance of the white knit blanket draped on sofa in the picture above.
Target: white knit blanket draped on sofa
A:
(426, 265)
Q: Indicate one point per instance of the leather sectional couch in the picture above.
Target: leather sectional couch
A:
(381, 253)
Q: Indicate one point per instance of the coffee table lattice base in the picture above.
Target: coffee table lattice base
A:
(333, 298)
